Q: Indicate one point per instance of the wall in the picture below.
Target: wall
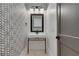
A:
(12, 28)
(52, 29)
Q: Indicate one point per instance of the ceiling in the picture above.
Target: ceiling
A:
(30, 5)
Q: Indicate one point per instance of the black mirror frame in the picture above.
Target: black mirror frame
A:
(42, 22)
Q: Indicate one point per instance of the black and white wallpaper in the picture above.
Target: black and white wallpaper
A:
(12, 33)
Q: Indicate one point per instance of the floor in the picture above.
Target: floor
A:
(33, 52)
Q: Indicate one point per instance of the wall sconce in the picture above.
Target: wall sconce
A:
(31, 10)
(36, 10)
(41, 10)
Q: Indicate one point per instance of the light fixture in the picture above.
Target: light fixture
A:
(36, 9)
(31, 10)
(41, 10)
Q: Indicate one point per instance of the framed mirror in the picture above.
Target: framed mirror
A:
(37, 22)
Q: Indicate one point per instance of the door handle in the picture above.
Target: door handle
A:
(58, 37)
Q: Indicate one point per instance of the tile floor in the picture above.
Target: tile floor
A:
(33, 52)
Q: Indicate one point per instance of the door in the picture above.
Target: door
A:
(69, 29)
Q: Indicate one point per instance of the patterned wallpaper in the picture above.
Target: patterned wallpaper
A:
(12, 28)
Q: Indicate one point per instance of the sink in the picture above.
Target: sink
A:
(34, 35)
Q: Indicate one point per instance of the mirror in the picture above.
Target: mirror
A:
(37, 22)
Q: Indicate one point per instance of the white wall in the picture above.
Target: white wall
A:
(52, 29)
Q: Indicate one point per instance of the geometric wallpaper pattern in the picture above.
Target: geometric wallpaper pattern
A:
(12, 38)
(4, 30)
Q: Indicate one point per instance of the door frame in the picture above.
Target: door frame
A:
(58, 29)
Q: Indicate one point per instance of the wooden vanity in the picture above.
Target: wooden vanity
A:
(36, 39)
